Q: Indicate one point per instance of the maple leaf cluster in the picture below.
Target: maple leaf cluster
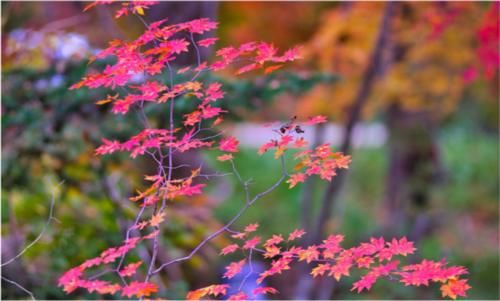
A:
(151, 54)
(148, 55)
(135, 6)
(375, 257)
(320, 161)
(75, 277)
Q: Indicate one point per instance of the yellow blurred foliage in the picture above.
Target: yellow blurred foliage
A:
(424, 67)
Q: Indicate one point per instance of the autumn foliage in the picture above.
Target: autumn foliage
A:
(152, 54)
(376, 258)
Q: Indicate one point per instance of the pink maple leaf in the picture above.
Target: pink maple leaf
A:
(251, 228)
(316, 120)
(275, 239)
(401, 247)
(366, 282)
(251, 243)
(234, 268)
(225, 157)
(139, 289)
(207, 42)
(238, 296)
(298, 233)
(130, 269)
(296, 178)
(229, 144)
(265, 290)
(229, 249)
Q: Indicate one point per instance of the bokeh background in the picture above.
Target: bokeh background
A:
(424, 145)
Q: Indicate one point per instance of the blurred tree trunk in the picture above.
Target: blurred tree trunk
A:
(306, 202)
(414, 167)
(376, 65)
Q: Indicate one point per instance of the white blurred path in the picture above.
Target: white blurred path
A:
(365, 135)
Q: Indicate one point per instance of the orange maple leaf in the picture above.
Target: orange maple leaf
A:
(225, 157)
(157, 219)
(309, 254)
(454, 288)
(272, 68)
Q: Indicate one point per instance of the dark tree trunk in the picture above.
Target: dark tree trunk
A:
(376, 65)
(307, 198)
(414, 167)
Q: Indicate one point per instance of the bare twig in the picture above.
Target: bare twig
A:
(40, 235)
(20, 287)
(230, 223)
(47, 223)
(250, 264)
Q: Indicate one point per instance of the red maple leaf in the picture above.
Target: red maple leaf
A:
(213, 92)
(238, 296)
(275, 239)
(229, 144)
(251, 228)
(130, 269)
(364, 262)
(225, 157)
(207, 42)
(401, 247)
(233, 269)
(341, 268)
(70, 280)
(298, 233)
(272, 251)
(251, 243)
(91, 262)
(265, 147)
(214, 290)
(316, 120)
(229, 249)
(199, 25)
(320, 269)
(139, 289)
(247, 68)
(265, 290)
(366, 282)
(109, 289)
(296, 178)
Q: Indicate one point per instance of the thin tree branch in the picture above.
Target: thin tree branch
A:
(47, 223)
(20, 287)
(250, 264)
(230, 223)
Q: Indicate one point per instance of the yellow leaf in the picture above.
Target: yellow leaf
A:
(103, 101)
(139, 10)
(279, 152)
